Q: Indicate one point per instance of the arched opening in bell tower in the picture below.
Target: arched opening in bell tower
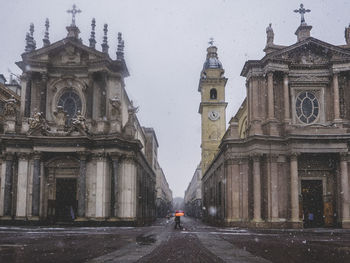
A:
(213, 94)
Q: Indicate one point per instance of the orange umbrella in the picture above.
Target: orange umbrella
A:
(179, 213)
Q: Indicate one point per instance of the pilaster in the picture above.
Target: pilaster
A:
(257, 188)
(294, 188)
(273, 187)
(127, 188)
(336, 98)
(8, 185)
(345, 215)
(82, 195)
(102, 183)
(22, 185)
(115, 157)
(36, 186)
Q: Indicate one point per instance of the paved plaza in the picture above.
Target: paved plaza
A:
(160, 242)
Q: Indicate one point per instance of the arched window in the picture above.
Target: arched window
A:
(70, 102)
(213, 94)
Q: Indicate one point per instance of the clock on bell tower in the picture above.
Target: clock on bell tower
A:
(212, 107)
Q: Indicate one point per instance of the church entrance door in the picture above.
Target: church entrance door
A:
(312, 194)
(66, 201)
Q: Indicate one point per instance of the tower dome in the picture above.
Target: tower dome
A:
(212, 60)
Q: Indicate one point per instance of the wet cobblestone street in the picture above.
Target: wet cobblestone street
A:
(196, 242)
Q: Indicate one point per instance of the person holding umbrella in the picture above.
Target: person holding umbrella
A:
(177, 218)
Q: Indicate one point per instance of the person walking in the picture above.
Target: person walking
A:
(177, 222)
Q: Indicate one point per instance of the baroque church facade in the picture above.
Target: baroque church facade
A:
(74, 150)
(285, 154)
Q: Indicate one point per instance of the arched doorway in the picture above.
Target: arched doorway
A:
(62, 188)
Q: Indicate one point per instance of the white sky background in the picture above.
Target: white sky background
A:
(165, 48)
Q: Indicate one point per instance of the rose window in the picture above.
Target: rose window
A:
(307, 107)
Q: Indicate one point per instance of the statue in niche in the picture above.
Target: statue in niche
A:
(116, 104)
(61, 118)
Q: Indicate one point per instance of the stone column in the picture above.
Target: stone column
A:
(236, 200)
(271, 106)
(36, 186)
(21, 207)
(228, 172)
(82, 185)
(127, 188)
(43, 93)
(257, 188)
(101, 187)
(294, 191)
(115, 184)
(344, 188)
(286, 97)
(89, 99)
(8, 185)
(28, 96)
(336, 96)
(274, 188)
(248, 85)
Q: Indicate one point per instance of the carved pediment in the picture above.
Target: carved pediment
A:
(65, 52)
(311, 52)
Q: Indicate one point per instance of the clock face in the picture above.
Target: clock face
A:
(213, 115)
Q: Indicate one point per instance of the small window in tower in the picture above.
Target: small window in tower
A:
(213, 94)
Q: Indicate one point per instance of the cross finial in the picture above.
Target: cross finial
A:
(302, 11)
(211, 41)
(73, 11)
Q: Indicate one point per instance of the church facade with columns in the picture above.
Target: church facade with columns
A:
(74, 149)
(284, 159)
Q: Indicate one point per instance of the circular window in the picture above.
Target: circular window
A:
(307, 107)
(71, 103)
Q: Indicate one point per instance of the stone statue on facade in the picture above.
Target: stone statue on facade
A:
(116, 106)
(129, 128)
(269, 35)
(37, 122)
(61, 118)
(79, 123)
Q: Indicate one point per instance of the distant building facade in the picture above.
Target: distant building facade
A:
(193, 195)
(74, 149)
(164, 196)
(285, 154)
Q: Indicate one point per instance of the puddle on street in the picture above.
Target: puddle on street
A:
(145, 239)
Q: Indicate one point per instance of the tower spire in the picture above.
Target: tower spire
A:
(30, 42)
(105, 39)
(92, 36)
(46, 39)
(120, 49)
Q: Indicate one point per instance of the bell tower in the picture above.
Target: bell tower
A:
(212, 107)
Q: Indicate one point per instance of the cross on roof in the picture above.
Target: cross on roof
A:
(302, 11)
(73, 11)
(211, 42)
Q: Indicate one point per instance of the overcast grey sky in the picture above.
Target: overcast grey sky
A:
(165, 47)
